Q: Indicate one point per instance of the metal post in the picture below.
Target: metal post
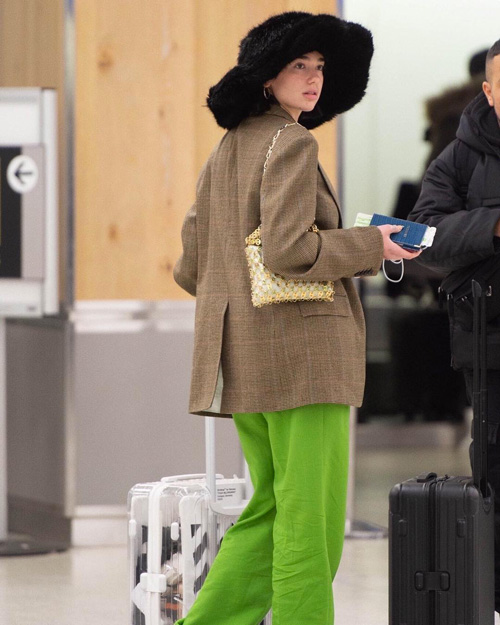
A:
(212, 486)
(210, 456)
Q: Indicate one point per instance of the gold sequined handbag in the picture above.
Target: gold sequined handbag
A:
(271, 288)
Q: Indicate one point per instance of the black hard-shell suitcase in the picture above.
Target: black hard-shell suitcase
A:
(441, 569)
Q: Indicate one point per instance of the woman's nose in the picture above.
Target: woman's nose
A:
(315, 74)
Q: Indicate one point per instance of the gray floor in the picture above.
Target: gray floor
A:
(90, 586)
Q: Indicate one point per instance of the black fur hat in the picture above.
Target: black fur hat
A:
(264, 52)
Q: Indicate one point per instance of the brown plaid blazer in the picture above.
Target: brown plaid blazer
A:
(283, 355)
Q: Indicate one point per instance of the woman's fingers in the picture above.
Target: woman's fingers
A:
(393, 251)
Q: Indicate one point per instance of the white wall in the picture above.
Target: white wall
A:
(421, 47)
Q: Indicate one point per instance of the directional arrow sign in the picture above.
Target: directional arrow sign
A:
(22, 174)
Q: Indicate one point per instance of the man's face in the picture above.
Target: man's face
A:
(491, 86)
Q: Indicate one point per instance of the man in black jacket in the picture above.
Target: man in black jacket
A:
(461, 197)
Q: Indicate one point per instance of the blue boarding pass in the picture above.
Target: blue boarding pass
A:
(413, 236)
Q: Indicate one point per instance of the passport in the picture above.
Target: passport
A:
(413, 236)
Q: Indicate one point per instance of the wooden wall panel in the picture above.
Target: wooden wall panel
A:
(143, 132)
(134, 144)
(32, 55)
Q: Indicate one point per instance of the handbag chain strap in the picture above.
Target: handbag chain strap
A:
(254, 238)
(275, 138)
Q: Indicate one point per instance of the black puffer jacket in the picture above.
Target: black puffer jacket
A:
(461, 193)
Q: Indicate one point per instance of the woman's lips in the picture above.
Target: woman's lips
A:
(311, 95)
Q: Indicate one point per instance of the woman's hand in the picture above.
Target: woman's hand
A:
(393, 251)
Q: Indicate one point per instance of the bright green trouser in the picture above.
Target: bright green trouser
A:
(285, 549)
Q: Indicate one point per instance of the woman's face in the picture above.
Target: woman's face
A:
(298, 86)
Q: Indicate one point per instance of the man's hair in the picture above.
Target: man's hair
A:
(492, 53)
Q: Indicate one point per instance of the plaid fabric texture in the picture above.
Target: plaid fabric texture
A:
(279, 356)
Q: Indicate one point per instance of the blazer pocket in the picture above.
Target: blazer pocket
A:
(339, 307)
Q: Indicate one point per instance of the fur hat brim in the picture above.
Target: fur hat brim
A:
(264, 52)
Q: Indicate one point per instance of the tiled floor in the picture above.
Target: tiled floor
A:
(90, 586)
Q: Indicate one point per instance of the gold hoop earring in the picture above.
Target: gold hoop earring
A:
(267, 93)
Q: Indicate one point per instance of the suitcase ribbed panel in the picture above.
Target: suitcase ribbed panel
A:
(441, 557)
(175, 531)
(173, 537)
(170, 529)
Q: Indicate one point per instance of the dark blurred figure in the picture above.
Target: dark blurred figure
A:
(443, 114)
(438, 391)
(477, 64)
(444, 110)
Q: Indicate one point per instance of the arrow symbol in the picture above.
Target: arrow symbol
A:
(19, 173)
(22, 174)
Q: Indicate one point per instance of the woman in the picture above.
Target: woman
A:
(287, 372)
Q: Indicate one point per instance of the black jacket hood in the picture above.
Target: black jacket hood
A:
(479, 126)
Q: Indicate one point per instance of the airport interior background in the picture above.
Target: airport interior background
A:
(94, 389)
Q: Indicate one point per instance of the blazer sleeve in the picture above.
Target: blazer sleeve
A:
(462, 236)
(186, 268)
(288, 209)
